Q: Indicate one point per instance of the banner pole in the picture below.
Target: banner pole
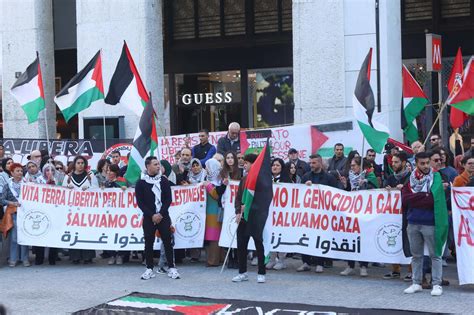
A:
(428, 135)
(105, 131)
(46, 126)
(229, 249)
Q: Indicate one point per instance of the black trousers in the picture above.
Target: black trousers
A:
(149, 229)
(39, 252)
(319, 261)
(351, 264)
(243, 239)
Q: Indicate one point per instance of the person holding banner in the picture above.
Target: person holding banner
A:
(102, 169)
(80, 178)
(318, 176)
(360, 178)
(396, 181)
(337, 162)
(465, 177)
(153, 195)
(32, 172)
(10, 195)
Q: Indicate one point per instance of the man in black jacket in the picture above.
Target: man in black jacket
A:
(316, 176)
(153, 194)
(301, 166)
(231, 141)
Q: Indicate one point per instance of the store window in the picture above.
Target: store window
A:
(271, 96)
(208, 100)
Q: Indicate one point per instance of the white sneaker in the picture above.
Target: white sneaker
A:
(279, 266)
(347, 271)
(26, 263)
(111, 261)
(363, 272)
(148, 274)
(413, 289)
(240, 277)
(303, 267)
(270, 264)
(254, 261)
(119, 260)
(260, 278)
(437, 290)
(319, 269)
(173, 273)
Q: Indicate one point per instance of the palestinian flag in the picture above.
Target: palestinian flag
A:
(440, 213)
(85, 88)
(456, 117)
(364, 106)
(258, 195)
(414, 101)
(145, 144)
(121, 182)
(28, 91)
(126, 86)
(464, 98)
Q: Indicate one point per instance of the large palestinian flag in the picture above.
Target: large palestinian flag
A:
(85, 88)
(456, 117)
(258, 195)
(126, 86)
(145, 144)
(440, 213)
(28, 91)
(464, 98)
(414, 101)
(364, 106)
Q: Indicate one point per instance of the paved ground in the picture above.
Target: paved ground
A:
(65, 288)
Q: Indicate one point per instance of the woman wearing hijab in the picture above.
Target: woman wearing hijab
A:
(48, 177)
(197, 174)
(213, 213)
(80, 178)
(9, 198)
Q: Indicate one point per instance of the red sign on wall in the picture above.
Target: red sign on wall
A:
(433, 52)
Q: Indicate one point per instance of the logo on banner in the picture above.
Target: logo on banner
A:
(388, 239)
(123, 148)
(188, 225)
(36, 223)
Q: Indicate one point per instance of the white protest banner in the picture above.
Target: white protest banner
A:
(463, 221)
(327, 222)
(107, 219)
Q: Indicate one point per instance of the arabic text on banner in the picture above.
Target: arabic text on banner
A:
(328, 222)
(106, 219)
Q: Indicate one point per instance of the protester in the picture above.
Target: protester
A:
(435, 141)
(116, 158)
(240, 162)
(463, 179)
(317, 175)
(301, 166)
(153, 194)
(102, 169)
(204, 150)
(390, 150)
(470, 152)
(33, 172)
(60, 171)
(80, 178)
(6, 174)
(347, 165)
(220, 158)
(2, 152)
(10, 195)
(36, 156)
(370, 156)
(419, 203)
(231, 141)
(48, 177)
(396, 181)
(167, 171)
(243, 235)
(213, 213)
(294, 177)
(447, 170)
(337, 162)
(197, 174)
(183, 166)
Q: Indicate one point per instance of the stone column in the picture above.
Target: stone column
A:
(330, 41)
(27, 27)
(105, 25)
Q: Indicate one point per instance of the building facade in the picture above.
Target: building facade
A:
(209, 62)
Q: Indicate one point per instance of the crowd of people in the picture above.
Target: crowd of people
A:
(409, 172)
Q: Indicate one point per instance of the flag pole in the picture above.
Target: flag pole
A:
(443, 106)
(105, 131)
(45, 107)
(229, 249)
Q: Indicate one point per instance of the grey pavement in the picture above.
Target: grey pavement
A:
(65, 288)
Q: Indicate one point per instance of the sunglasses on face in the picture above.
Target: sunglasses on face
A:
(59, 168)
(433, 139)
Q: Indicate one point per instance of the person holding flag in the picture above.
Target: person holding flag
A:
(252, 204)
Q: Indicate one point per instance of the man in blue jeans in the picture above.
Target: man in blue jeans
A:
(418, 201)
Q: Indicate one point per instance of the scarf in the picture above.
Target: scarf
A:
(15, 187)
(213, 168)
(355, 179)
(402, 174)
(199, 177)
(186, 167)
(420, 182)
(156, 189)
